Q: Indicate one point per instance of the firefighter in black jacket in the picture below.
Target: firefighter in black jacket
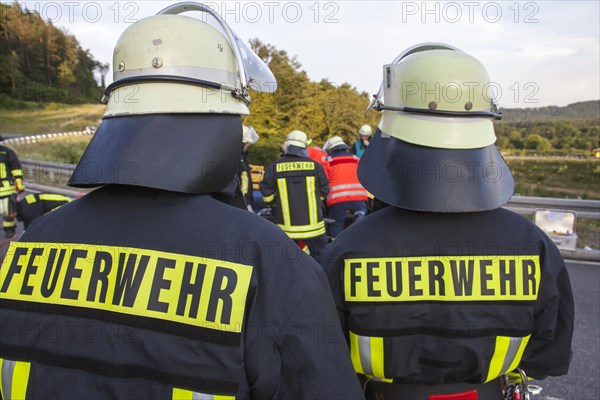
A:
(11, 183)
(149, 287)
(451, 291)
(34, 205)
(297, 186)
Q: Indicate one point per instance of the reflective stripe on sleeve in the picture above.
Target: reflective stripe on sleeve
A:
(182, 394)
(507, 355)
(14, 379)
(17, 173)
(269, 198)
(54, 197)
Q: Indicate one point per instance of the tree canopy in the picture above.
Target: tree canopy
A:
(40, 62)
(320, 109)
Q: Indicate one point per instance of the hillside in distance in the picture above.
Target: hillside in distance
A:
(581, 110)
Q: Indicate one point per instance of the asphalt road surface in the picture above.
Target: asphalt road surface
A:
(583, 380)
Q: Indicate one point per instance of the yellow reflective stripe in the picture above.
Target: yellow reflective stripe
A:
(182, 394)
(285, 205)
(14, 377)
(304, 235)
(244, 185)
(519, 355)
(9, 223)
(30, 199)
(54, 197)
(302, 228)
(367, 356)
(17, 172)
(313, 214)
(355, 353)
(304, 231)
(507, 355)
(498, 358)
(269, 198)
(377, 357)
(2, 171)
(20, 380)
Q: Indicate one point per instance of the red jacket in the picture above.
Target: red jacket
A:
(343, 180)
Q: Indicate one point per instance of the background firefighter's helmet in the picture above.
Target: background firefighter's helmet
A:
(173, 115)
(297, 139)
(434, 149)
(335, 142)
(365, 130)
(249, 135)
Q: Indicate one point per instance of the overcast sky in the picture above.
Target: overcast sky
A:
(538, 52)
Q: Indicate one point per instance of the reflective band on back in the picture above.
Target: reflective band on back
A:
(507, 355)
(367, 355)
(14, 380)
(182, 394)
(342, 194)
(349, 186)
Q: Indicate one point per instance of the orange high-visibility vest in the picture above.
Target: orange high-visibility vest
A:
(343, 180)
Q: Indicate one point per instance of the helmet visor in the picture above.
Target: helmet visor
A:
(254, 72)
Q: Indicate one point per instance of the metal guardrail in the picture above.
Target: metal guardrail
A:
(46, 136)
(57, 175)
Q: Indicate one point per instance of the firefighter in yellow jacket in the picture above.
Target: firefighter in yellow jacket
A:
(149, 287)
(450, 291)
(11, 183)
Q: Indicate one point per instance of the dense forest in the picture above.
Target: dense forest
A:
(42, 63)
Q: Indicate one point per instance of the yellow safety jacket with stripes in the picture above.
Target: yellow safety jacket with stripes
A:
(297, 187)
(138, 293)
(434, 299)
(11, 174)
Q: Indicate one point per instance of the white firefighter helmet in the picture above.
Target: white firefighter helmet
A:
(365, 130)
(297, 138)
(334, 142)
(249, 135)
(173, 110)
(434, 150)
